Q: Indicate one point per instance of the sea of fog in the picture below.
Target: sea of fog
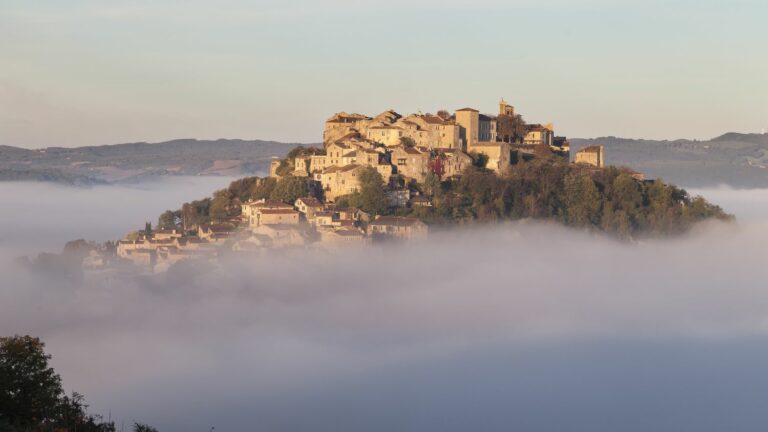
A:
(43, 216)
(521, 326)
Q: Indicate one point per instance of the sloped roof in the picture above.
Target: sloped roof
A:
(395, 221)
(310, 201)
(277, 211)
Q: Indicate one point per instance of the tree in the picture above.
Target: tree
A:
(222, 205)
(148, 229)
(169, 220)
(29, 388)
(372, 197)
(582, 201)
(195, 213)
(262, 189)
(432, 185)
(407, 142)
(139, 427)
(31, 396)
(289, 189)
(479, 160)
(511, 129)
(628, 196)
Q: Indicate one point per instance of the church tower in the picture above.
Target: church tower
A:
(506, 109)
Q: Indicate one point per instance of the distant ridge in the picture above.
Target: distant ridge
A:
(733, 159)
(742, 137)
(140, 160)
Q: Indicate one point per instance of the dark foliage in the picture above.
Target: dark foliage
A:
(609, 200)
(31, 396)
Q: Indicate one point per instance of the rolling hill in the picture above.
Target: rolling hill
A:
(733, 159)
(138, 161)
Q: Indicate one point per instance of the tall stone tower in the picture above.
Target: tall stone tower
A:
(469, 120)
(506, 109)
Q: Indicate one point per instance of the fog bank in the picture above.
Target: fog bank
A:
(43, 216)
(521, 326)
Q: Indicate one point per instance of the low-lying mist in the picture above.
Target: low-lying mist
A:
(521, 326)
(43, 216)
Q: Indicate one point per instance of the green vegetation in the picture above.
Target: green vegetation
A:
(407, 142)
(372, 197)
(225, 203)
(288, 164)
(546, 188)
(609, 200)
(31, 395)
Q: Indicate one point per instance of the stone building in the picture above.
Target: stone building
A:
(469, 120)
(540, 134)
(274, 216)
(308, 206)
(405, 228)
(454, 162)
(337, 181)
(411, 163)
(498, 153)
(593, 155)
(249, 209)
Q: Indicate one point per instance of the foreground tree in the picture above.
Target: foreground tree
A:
(139, 427)
(31, 396)
(30, 390)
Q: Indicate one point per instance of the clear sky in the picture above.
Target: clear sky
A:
(82, 72)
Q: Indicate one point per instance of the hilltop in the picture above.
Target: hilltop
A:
(138, 161)
(392, 178)
(733, 159)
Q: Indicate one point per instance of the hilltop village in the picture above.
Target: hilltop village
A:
(392, 178)
(405, 151)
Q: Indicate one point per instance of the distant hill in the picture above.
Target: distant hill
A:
(138, 161)
(733, 159)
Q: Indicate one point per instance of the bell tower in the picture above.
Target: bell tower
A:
(506, 109)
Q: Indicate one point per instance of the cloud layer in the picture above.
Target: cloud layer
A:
(526, 326)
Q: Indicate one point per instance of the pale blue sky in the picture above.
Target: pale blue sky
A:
(92, 72)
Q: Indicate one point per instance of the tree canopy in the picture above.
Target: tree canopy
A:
(372, 197)
(31, 395)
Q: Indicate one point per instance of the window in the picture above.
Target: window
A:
(401, 161)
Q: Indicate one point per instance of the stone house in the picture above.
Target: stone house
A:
(284, 235)
(411, 163)
(337, 181)
(308, 206)
(344, 237)
(405, 228)
(250, 208)
(454, 162)
(540, 134)
(274, 216)
(499, 155)
(215, 232)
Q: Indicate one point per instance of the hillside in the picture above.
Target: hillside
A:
(607, 199)
(734, 159)
(137, 161)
